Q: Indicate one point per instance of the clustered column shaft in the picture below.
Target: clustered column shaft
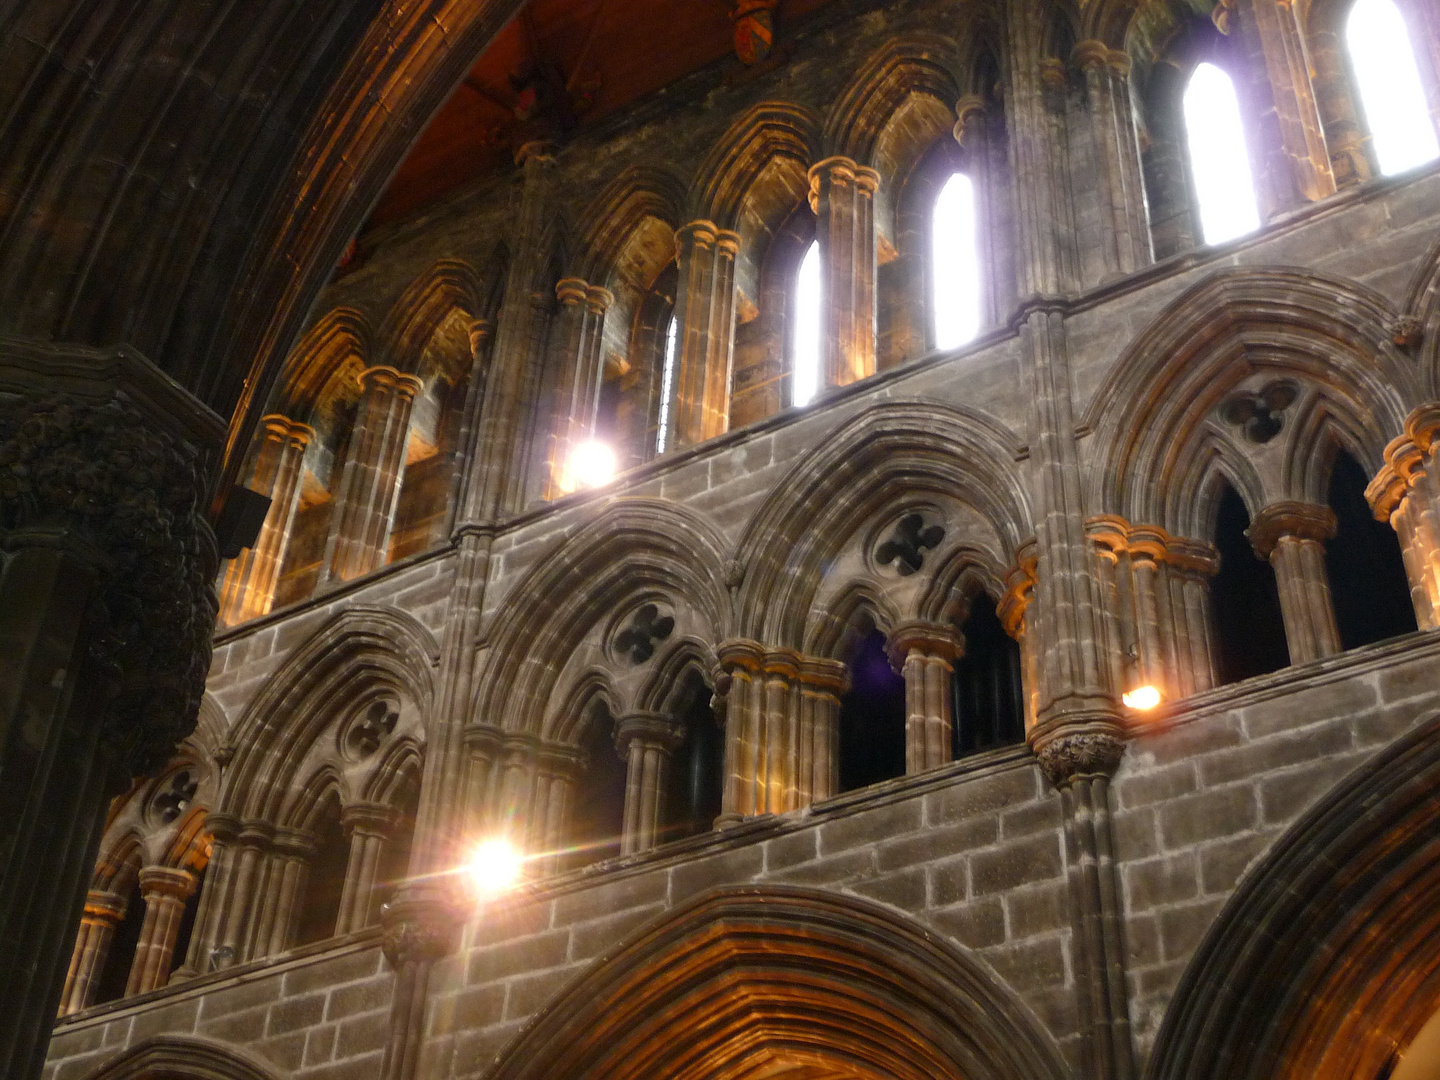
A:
(165, 892)
(645, 742)
(248, 587)
(705, 312)
(1292, 537)
(1107, 81)
(583, 310)
(842, 195)
(369, 826)
(370, 478)
(925, 654)
(1406, 493)
(103, 912)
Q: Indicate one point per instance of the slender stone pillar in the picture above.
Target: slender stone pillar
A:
(1292, 537)
(370, 478)
(103, 912)
(292, 853)
(1192, 564)
(582, 318)
(421, 927)
(247, 881)
(818, 773)
(645, 742)
(705, 314)
(556, 770)
(925, 654)
(1117, 151)
(247, 588)
(215, 898)
(369, 826)
(1286, 136)
(842, 195)
(165, 892)
(740, 686)
(775, 779)
(1406, 493)
(107, 610)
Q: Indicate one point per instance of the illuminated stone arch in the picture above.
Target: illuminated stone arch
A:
(340, 342)
(1329, 338)
(743, 982)
(773, 144)
(638, 196)
(174, 1057)
(447, 288)
(949, 453)
(1323, 963)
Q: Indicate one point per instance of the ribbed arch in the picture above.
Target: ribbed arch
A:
(666, 685)
(833, 629)
(401, 765)
(173, 1057)
(574, 711)
(306, 803)
(1192, 503)
(339, 343)
(1329, 338)
(1322, 962)
(448, 285)
(966, 573)
(920, 65)
(747, 978)
(632, 546)
(358, 650)
(1423, 305)
(608, 223)
(121, 859)
(927, 448)
(772, 131)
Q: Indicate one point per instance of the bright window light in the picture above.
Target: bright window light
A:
(1218, 158)
(956, 263)
(592, 464)
(805, 374)
(1390, 89)
(667, 378)
(494, 866)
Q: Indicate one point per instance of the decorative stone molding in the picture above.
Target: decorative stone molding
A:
(420, 926)
(103, 476)
(1303, 521)
(1072, 755)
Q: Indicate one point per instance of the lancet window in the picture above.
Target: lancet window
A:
(1219, 160)
(1388, 80)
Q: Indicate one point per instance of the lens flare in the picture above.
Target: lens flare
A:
(494, 866)
(592, 464)
(1143, 698)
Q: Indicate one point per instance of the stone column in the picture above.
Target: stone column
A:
(248, 586)
(1192, 564)
(246, 887)
(216, 896)
(740, 688)
(370, 478)
(107, 610)
(165, 892)
(1117, 152)
(1406, 493)
(818, 773)
(292, 853)
(582, 316)
(103, 912)
(1292, 537)
(369, 825)
(1287, 139)
(556, 768)
(925, 654)
(705, 314)
(420, 927)
(775, 779)
(842, 195)
(645, 742)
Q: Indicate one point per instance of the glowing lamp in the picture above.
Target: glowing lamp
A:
(494, 866)
(592, 464)
(1142, 698)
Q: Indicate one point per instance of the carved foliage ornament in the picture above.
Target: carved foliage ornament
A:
(908, 542)
(647, 626)
(137, 495)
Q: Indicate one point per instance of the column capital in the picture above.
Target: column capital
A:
(1090, 55)
(222, 826)
(1422, 425)
(836, 169)
(536, 152)
(822, 673)
(283, 428)
(421, 925)
(782, 662)
(727, 242)
(368, 819)
(599, 299)
(558, 760)
(649, 730)
(385, 376)
(480, 330)
(482, 738)
(571, 290)
(1108, 532)
(740, 653)
(1302, 521)
(1079, 751)
(930, 639)
(162, 881)
(1193, 556)
(1019, 588)
(699, 233)
(256, 833)
(966, 109)
(1148, 542)
(294, 844)
(104, 907)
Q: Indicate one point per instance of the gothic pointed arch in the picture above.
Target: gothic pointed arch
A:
(1323, 962)
(340, 342)
(948, 452)
(856, 609)
(448, 286)
(667, 682)
(358, 650)
(966, 572)
(594, 688)
(1292, 345)
(639, 195)
(174, 1057)
(1423, 307)
(716, 988)
(633, 547)
(773, 137)
(916, 68)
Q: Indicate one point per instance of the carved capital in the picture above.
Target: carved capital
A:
(163, 882)
(1422, 424)
(784, 663)
(1301, 521)
(421, 926)
(383, 377)
(966, 109)
(283, 429)
(697, 235)
(648, 730)
(827, 173)
(105, 908)
(598, 299)
(106, 478)
(1072, 755)
(740, 653)
(571, 290)
(368, 819)
(929, 639)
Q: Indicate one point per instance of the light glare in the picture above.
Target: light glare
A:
(956, 300)
(1390, 89)
(667, 378)
(494, 866)
(805, 375)
(592, 464)
(1142, 698)
(1219, 161)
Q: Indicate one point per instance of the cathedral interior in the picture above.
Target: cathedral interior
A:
(698, 540)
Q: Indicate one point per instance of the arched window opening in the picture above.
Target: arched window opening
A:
(955, 264)
(325, 881)
(988, 699)
(872, 717)
(1368, 586)
(805, 340)
(695, 776)
(1245, 602)
(123, 942)
(1219, 161)
(667, 383)
(597, 818)
(395, 854)
(187, 919)
(1388, 79)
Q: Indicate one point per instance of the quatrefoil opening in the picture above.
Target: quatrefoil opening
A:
(908, 542)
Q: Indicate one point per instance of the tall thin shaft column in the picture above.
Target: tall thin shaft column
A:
(103, 912)
(370, 478)
(822, 682)
(1406, 493)
(741, 688)
(1292, 537)
(165, 892)
(705, 315)
(1117, 149)
(645, 742)
(248, 587)
(291, 865)
(925, 654)
(369, 826)
(215, 898)
(842, 195)
(582, 315)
